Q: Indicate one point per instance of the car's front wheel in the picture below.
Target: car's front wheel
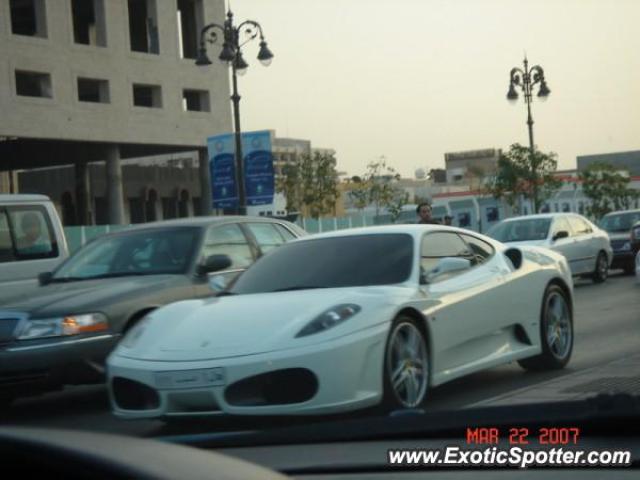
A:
(406, 365)
(556, 332)
(601, 271)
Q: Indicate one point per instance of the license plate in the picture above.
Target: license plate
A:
(205, 377)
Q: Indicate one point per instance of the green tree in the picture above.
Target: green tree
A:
(394, 207)
(381, 184)
(607, 189)
(358, 192)
(520, 172)
(310, 182)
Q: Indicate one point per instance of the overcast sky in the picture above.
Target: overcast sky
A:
(413, 79)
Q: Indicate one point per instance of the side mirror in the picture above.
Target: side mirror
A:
(448, 265)
(561, 234)
(218, 283)
(45, 278)
(214, 263)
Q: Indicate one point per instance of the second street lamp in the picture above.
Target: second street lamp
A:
(233, 39)
(526, 79)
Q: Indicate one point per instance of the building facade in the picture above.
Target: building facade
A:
(106, 80)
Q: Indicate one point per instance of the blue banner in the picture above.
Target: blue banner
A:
(258, 167)
(222, 168)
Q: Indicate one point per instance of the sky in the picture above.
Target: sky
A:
(413, 79)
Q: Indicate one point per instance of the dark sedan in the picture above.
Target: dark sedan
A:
(618, 225)
(61, 332)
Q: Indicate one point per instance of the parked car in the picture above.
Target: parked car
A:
(619, 225)
(361, 317)
(31, 241)
(586, 246)
(62, 331)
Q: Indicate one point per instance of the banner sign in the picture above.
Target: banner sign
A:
(222, 168)
(258, 167)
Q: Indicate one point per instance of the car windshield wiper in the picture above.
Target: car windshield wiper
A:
(299, 287)
(108, 275)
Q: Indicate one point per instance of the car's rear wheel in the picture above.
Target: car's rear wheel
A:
(601, 271)
(406, 365)
(556, 332)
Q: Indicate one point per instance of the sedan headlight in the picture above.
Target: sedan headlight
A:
(329, 318)
(64, 326)
(635, 233)
(626, 246)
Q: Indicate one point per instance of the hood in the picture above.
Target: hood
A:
(251, 324)
(82, 296)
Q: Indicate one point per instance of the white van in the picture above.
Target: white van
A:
(31, 241)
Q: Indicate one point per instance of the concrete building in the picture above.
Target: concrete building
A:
(464, 167)
(103, 81)
(629, 161)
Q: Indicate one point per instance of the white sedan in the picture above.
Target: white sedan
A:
(586, 246)
(346, 320)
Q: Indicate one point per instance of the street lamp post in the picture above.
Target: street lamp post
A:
(233, 39)
(526, 79)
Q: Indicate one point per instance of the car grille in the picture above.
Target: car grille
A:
(617, 244)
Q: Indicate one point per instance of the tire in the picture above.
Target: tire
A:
(406, 354)
(601, 271)
(556, 317)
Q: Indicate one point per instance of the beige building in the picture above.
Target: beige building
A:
(105, 80)
(468, 166)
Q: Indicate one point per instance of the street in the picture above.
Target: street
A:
(606, 329)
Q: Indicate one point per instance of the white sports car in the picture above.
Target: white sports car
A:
(346, 320)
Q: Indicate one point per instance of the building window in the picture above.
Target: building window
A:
(195, 101)
(493, 215)
(89, 26)
(190, 23)
(143, 26)
(566, 207)
(33, 84)
(91, 90)
(28, 17)
(147, 96)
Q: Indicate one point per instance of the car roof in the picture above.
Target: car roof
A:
(543, 216)
(204, 221)
(411, 229)
(22, 197)
(622, 212)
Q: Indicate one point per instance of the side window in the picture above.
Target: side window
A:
(32, 233)
(228, 240)
(6, 244)
(578, 226)
(480, 249)
(439, 245)
(559, 225)
(285, 232)
(266, 235)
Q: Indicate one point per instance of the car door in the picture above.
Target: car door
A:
(585, 244)
(228, 239)
(567, 246)
(465, 308)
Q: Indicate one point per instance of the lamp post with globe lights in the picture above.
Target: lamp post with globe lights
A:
(233, 39)
(526, 79)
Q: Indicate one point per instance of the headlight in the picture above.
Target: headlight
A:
(134, 334)
(636, 233)
(626, 246)
(64, 326)
(329, 318)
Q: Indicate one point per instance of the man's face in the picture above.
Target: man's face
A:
(425, 212)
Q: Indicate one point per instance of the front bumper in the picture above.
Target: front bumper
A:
(624, 259)
(32, 367)
(348, 372)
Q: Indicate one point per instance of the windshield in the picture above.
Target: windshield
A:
(521, 230)
(350, 261)
(620, 222)
(144, 252)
